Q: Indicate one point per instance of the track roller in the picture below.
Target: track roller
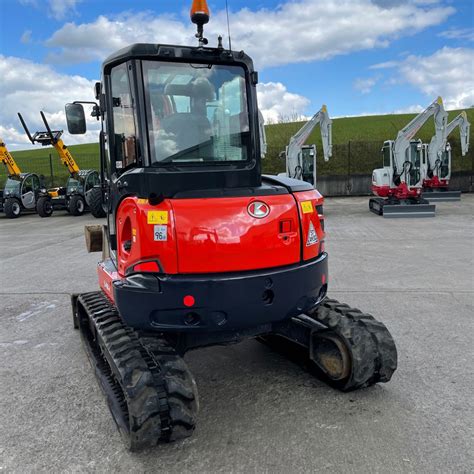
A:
(349, 349)
(150, 392)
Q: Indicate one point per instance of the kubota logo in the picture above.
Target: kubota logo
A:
(258, 209)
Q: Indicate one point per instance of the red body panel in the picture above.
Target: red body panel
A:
(216, 235)
(308, 218)
(133, 225)
(435, 182)
(401, 192)
(106, 279)
(219, 235)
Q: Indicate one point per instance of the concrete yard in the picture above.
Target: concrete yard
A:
(259, 412)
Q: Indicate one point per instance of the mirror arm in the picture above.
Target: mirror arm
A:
(96, 112)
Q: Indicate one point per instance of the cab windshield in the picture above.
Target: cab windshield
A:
(197, 113)
(73, 185)
(12, 186)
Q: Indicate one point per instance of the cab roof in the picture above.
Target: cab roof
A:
(168, 52)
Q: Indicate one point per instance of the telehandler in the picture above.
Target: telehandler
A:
(200, 248)
(21, 190)
(82, 191)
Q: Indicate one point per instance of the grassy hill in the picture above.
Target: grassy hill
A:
(357, 142)
(356, 147)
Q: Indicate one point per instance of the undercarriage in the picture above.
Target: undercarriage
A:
(153, 396)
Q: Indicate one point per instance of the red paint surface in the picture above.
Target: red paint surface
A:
(316, 199)
(401, 192)
(216, 235)
(219, 235)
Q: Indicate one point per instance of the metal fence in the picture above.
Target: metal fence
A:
(50, 169)
(359, 158)
(351, 159)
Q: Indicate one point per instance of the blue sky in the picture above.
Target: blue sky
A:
(357, 56)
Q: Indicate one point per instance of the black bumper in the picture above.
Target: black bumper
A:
(223, 302)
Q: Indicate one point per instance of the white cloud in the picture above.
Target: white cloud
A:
(384, 65)
(411, 109)
(365, 85)
(28, 87)
(277, 104)
(26, 37)
(448, 73)
(466, 34)
(295, 31)
(59, 9)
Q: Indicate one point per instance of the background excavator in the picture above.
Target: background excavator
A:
(82, 191)
(399, 183)
(300, 159)
(438, 174)
(200, 248)
(21, 190)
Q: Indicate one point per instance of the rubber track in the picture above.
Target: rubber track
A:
(372, 348)
(150, 391)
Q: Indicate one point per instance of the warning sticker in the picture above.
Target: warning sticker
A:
(312, 236)
(307, 207)
(160, 233)
(157, 217)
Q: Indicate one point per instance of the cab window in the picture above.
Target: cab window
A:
(123, 118)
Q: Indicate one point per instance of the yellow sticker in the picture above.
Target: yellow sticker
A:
(307, 207)
(134, 232)
(157, 217)
(143, 201)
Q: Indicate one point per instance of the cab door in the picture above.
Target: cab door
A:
(92, 180)
(29, 190)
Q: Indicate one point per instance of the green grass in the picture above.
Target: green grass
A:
(366, 136)
(356, 147)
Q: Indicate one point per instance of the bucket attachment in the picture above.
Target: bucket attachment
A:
(441, 195)
(402, 208)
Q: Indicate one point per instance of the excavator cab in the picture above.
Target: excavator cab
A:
(415, 163)
(308, 159)
(21, 189)
(21, 194)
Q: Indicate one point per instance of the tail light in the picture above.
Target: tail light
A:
(320, 211)
(150, 266)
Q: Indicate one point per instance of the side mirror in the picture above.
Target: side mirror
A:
(76, 119)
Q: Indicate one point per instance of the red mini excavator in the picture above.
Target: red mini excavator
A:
(199, 247)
